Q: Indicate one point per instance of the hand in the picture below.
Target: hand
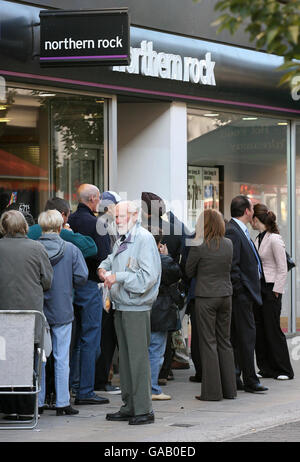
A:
(163, 249)
(101, 273)
(109, 280)
(67, 226)
(276, 294)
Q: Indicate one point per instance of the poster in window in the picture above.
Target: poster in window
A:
(203, 191)
(211, 187)
(194, 193)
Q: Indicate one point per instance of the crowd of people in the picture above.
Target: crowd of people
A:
(115, 279)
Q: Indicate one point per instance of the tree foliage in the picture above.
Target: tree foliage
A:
(273, 25)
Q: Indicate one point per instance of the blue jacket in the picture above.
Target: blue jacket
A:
(84, 221)
(69, 271)
(85, 243)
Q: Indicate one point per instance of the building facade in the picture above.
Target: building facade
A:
(195, 118)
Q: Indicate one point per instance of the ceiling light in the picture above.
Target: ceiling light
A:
(282, 123)
(4, 120)
(210, 115)
(100, 101)
(249, 118)
(43, 95)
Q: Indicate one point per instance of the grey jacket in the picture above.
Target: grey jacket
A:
(211, 266)
(137, 269)
(25, 272)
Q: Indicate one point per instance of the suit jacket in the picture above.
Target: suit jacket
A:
(211, 267)
(244, 271)
(273, 257)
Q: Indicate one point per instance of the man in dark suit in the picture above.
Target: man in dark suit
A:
(246, 272)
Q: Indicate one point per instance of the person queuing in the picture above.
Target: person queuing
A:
(85, 243)
(272, 354)
(246, 273)
(70, 271)
(108, 202)
(88, 301)
(134, 283)
(164, 314)
(210, 262)
(88, 248)
(25, 273)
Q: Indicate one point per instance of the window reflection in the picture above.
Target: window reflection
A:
(231, 154)
(43, 132)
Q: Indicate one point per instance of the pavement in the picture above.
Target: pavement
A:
(183, 419)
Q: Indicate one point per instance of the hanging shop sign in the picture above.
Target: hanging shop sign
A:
(84, 37)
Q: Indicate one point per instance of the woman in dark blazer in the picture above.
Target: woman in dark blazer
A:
(210, 262)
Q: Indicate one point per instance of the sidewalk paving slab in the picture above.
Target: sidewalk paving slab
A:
(182, 419)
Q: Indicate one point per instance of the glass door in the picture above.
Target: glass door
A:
(77, 144)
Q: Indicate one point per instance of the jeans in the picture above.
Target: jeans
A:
(61, 339)
(87, 339)
(156, 356)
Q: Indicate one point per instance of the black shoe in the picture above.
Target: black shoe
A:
(67, 410)
(118, 417)
(257, 388)
(142, 419)
(195, 378)
(93, 400)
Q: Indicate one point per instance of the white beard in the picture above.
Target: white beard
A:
(123, 229)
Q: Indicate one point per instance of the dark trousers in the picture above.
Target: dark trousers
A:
(213, 318)
(108, 346)
(166, 369)
(195, 345)
(243, 337)
(272, 355)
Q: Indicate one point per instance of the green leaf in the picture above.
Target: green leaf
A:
(272, 34)
(220, 20)
(294, 33)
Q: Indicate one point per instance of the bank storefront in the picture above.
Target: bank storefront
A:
(195, 122)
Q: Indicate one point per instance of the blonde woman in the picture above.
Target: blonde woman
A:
(210, 262)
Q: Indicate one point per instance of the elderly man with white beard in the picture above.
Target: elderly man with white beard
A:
(132, 273)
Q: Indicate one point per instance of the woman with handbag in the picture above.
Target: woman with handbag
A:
(272, 355)
(209, 260)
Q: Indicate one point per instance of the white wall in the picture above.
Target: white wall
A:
(152, 150)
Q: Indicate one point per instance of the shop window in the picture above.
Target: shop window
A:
(231, 154)
(50, 142)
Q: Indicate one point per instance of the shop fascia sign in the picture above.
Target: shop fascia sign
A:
(84, 37)
(148, 62)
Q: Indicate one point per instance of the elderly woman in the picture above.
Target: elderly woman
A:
(25, 272)
(70, 271)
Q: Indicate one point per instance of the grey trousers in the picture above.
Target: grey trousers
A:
(213, 316)
(133, 331)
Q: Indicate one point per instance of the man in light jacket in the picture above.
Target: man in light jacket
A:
(132, 273)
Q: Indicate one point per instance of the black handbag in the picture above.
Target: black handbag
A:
(290, 262)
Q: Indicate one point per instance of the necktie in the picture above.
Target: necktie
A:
(255, 252)
(123, 243)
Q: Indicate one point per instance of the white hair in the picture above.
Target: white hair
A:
(132, 206)
(50, 221)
